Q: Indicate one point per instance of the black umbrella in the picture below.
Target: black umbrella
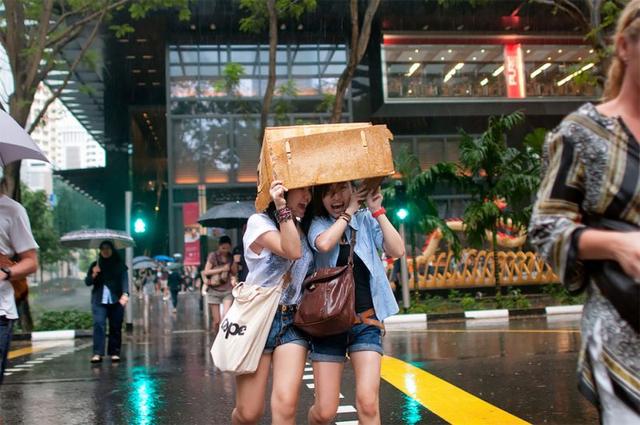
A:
(229, 215)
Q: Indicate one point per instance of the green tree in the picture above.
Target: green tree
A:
(50, 251)
(231, 74)
(42, 226)
(34, 33)
(491, 172)
(265, 14)
(360, 36)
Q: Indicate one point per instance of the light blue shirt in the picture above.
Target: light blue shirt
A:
(106, 295)
(368, 248)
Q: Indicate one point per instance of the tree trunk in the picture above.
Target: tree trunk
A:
(359, 41)
(352, 63)
(271, 82)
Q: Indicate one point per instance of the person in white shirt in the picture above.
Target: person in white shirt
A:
(16, 242)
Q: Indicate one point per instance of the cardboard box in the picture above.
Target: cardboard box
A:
(310, 155)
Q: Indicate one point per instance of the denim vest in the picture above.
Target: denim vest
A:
(368, 245)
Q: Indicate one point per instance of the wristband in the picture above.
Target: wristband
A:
(284, 214)
(379, 213)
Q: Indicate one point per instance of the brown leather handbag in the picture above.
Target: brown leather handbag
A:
(20, 287)
(328, 304)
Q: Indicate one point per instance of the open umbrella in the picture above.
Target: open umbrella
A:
(164, 258)
(91, 238)
(15, 142)
(142, 265)
(140, 258)
(228, 215)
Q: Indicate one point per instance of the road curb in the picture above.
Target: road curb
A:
(52, 335)
(483, 314)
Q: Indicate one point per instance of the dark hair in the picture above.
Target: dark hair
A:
(114, 253)
(224, 239)
(305, 223)
(319, 192)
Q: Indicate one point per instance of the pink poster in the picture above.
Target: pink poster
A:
(191, 234)
(513, 71)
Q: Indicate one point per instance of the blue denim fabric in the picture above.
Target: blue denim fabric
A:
(334, 348)
(115, 314)
(6, 331)
(368, 245)
(283, 332)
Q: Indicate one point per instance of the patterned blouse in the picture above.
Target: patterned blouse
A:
(591, 166)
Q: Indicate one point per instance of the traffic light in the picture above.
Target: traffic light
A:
(139, 226)
(401, 201)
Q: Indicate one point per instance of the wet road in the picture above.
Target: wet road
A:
(482, 372)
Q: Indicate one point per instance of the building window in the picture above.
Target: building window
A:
(429, 150)
(424, 68)
(214, 132)
(198, 71)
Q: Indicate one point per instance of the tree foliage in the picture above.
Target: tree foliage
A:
(493, 174)
(43, 226)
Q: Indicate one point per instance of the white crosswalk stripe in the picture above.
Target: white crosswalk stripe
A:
(346, 409)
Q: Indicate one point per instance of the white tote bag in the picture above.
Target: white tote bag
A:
(243, 333)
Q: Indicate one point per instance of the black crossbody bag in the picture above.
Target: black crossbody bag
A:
(619, 288)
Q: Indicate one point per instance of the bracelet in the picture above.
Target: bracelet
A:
(379, 213)
(284, 214)
(345, 216)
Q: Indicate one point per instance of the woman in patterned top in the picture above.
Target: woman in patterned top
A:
(592, 163)
(275, 248)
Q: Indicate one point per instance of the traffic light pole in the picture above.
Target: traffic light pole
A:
(129, 259)
(404, 276)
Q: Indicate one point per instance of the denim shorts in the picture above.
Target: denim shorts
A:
(334, 348)
(284, 332)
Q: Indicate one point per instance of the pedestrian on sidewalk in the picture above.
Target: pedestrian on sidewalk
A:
(275, 247)
(175, 283)
(110, 294)
(16, 242)
(217, 278)
(337, 215)
(583, 193)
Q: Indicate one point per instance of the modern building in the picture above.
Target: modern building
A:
(172, 128)
(63, 141)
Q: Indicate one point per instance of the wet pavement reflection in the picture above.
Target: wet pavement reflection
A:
(525, 367)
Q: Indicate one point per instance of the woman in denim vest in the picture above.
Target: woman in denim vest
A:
(336, 217)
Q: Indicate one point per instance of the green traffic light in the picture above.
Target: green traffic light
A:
(139, 226)
(402, 213)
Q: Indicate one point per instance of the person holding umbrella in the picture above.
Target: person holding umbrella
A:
(109, 296)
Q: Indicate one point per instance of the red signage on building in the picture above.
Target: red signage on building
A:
(513, 71)
(191, 234)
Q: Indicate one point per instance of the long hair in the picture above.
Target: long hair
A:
(318, 193)
(305, 223)
(628, 26)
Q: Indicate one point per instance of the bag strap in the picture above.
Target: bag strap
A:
(352, 244)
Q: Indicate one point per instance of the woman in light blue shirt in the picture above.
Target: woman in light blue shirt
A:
(335, 218)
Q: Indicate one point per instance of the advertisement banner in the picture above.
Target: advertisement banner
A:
(190, 215)
(513, 71)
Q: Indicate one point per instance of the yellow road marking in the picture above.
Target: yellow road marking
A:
(550, 331)
(30, 350)
(449, 402)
